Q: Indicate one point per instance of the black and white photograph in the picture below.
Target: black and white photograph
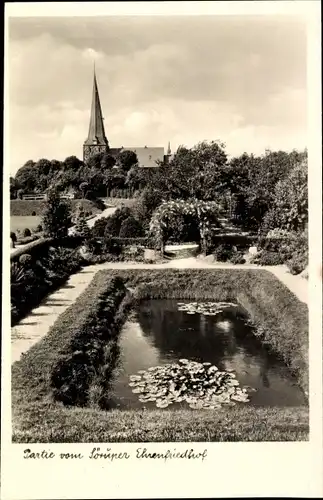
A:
(158, 182)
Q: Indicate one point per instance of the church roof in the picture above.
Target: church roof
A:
(147, 156)
(96, 129)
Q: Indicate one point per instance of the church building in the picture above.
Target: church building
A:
(97, 141)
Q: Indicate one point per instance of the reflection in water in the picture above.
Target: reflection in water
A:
(160, 334)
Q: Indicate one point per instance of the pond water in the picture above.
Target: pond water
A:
(158, 333)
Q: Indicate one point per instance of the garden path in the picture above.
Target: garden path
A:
(105, 213)
(37, 324)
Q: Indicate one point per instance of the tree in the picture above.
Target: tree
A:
(131, 228)
(200, 172)
(107, 161)
(147, 203)
(13, 238)
(114, 222)
(72, 163)
(57, 216)
(81, 227)
(114, 179)
(43, 167)
(27, 176)
(127, 159)
(253, 181)
(290, 204)
(94, 161)
(84, 186)
(20, 194)
(14, 187)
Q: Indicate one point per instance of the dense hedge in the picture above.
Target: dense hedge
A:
(78, 354)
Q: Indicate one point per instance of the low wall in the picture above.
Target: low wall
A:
(35, 248)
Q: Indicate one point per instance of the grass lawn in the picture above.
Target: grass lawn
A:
(84, 330)
(24, 221)
(49, 423)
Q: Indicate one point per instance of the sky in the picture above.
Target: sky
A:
(237, 79)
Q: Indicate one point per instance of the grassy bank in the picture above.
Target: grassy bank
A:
(41, 423)
(76, 339)
(21, 222)
(23, 208)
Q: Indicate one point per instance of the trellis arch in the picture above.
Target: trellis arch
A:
(206, 213)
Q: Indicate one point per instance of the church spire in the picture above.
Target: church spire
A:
(169, 152)
(96, 140)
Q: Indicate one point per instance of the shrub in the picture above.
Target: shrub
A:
(39, 228)
(112, 246)
(33, 212)
(131, 228)
(290, 246)
(31, 283)
(13, 237)
(237, 258)
(298, 262)
(113, 223)
(81, 227)
(25, 259)
(98, 228)
(268, 258)
(223, 252)
(26, 232)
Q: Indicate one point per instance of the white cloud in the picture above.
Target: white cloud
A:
(92, 54)
(174, 82)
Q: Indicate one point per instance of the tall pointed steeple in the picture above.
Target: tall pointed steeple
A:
(96, 141)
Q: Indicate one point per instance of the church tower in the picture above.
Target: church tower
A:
(96, 141)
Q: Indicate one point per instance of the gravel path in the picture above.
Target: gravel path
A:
(37, 324)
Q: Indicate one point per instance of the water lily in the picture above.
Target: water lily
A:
(200, 385)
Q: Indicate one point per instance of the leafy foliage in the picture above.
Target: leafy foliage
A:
(113, 223)
(126, 159)
(253, 183)
(206, 213)
(81, 227)
(291, 200)
(32, 279)
(130, 228)
(57, 216)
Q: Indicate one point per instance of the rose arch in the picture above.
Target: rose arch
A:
(206, 213)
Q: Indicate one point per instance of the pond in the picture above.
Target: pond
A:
(160, 332)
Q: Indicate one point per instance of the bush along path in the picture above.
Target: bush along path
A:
(37, 324)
